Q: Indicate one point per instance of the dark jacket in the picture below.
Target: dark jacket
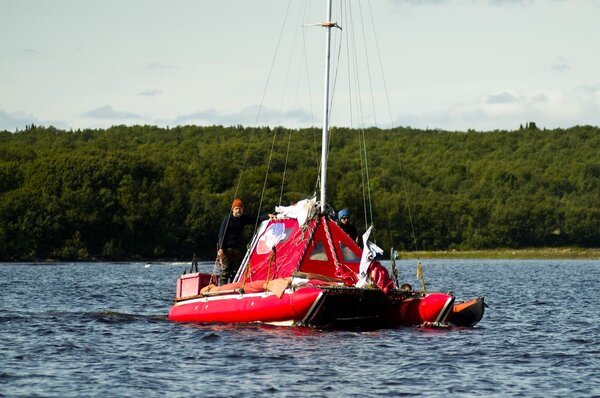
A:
(231, 236)
(349, 229)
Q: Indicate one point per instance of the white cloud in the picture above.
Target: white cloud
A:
(503, 97)
(156, 65)
(107, 112)
(14, 120)
(248, 116)
(560, 65)
(27, 51)
(18, 120)
(150, 93)
(506, 110)
(539, 98)
(453, 64)
(445, 2)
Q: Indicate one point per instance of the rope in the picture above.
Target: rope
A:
(264, 188)
(340, 267)
(273, 62)
(365, 179)
(362, 132)
(260, 106)
(363, 184)
(330, 241)
(308, 85)
(245, 277)
(287, 153)
(366, 53)
(351, 109)
(420, 275)
(310, 239)
(394, 267)
(387, 97)
(272, 259)
(368, 180)
(214, 276)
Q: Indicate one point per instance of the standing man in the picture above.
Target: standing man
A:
(231, 251)
(344, 223)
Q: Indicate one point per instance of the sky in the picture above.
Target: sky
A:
(447, 64)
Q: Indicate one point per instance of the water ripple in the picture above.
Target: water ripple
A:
(101, 330)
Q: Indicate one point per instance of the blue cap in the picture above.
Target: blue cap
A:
(343, 213)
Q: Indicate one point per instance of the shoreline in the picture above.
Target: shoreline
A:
(563, 253)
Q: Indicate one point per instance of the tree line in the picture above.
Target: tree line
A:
(144, 192)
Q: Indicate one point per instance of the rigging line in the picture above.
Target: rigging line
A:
(370, 200)
(264, 188)
(306, 66)
(362, 25)
(359, 115)
(334, 86)
(403, 178)
(391, 238)
(256, 122)
(308, 88)
(387, 96)
(237, 188)
(408, 206)
(292, 55)
(310, 104)
(260, 106)
(351, 106)
(368, 178)
(247, 152)
(296, 95)
(362, 178)
(330, 102)
(362, 132)
(287, 152)
(348, 69)
(336, 71)
(333, 89)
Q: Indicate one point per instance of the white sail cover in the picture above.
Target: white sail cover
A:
(302, 211)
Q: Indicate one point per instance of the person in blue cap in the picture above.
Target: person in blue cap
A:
(344, 223)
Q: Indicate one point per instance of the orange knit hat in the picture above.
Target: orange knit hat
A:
(237, 202)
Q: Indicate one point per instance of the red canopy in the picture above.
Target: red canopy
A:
(283, 247)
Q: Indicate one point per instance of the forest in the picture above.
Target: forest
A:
(152, 193)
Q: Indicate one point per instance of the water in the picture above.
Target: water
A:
(72, 330)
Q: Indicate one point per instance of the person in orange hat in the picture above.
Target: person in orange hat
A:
(230, 249)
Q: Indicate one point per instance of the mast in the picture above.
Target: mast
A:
(325, 135)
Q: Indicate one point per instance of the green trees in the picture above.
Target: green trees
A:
(148, 192)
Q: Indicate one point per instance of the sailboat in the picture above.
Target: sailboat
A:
(302, 269)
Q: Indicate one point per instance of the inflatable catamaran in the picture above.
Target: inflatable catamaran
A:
(302, 269)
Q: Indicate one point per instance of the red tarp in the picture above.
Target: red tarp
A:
(284, 247)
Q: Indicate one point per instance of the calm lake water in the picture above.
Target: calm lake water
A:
(72, 330)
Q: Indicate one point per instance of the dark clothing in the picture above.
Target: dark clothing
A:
(232, 259)
(231, 241)
(349, 229)
(231, 236)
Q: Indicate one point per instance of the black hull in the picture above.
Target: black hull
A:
(348, 308)
(359, 308)
(468, 313)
